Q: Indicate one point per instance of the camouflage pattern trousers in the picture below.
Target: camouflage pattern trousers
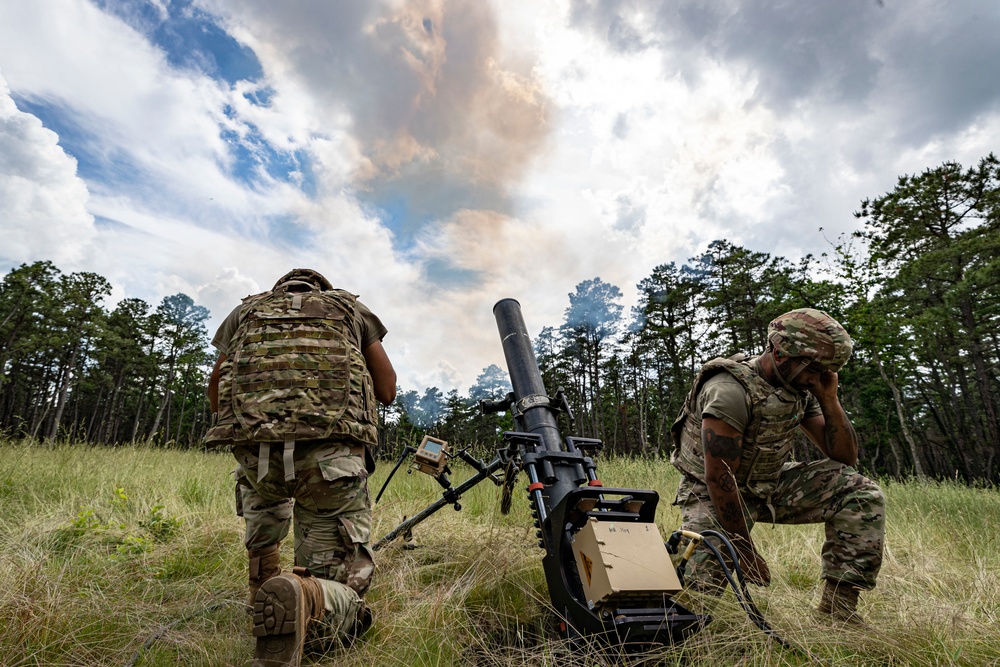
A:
(328, 500)
(851, 506)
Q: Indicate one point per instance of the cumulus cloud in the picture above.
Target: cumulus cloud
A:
(441, 119)
(162, 149)
(840, 91)
(43, 204)
(218, 295)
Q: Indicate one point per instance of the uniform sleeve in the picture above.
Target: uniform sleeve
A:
(723, 397)
(812, 406)
(370, 326)
(224, 336)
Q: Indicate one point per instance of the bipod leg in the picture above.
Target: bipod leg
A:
(450, 497)
(402, 457)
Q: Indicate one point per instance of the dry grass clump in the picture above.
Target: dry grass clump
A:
(133, 556)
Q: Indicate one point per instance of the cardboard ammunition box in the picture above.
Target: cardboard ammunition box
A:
(623, 562)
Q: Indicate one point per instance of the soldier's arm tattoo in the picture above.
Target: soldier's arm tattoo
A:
(722, 446)
(727, 482)
(830, 436)
(730, 513)
(840, 440)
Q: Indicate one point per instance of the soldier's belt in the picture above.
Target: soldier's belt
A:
(288, 457)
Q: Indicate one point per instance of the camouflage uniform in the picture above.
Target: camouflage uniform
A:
(772, 488)
(332, 519)
(297, 409)
(850, 505)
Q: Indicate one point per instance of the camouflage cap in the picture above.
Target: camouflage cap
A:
(304, 276)
(811, 333)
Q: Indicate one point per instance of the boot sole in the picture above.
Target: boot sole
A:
(279, 622)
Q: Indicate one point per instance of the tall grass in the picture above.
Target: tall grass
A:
(134, 556)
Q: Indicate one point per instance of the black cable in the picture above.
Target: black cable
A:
(743, 595)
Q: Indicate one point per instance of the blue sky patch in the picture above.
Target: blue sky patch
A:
(260, 97)
(190, 38)
(256, 159)
(410, 200)
(284, 232)
(95, 161)
(393, 211)
(444, 273)
(397, 214)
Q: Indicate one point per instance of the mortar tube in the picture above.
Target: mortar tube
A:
(526, 380)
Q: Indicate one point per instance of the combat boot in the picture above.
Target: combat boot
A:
(840, 602)
(264, 564)
(361, 625)
(283, 609)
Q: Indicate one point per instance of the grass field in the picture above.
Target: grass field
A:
(133, 556)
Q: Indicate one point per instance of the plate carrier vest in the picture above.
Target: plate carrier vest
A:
(295, 373)
(775, 413)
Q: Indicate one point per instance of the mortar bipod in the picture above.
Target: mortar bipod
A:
(451, 494)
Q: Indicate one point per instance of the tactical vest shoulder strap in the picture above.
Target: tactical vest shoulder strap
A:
(737, 367)
(252, 299)
(734, 366)
(711, 368)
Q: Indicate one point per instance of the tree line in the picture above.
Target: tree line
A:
(73, 369)
(916, 286)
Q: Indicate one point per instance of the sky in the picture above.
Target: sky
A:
(437, 156)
